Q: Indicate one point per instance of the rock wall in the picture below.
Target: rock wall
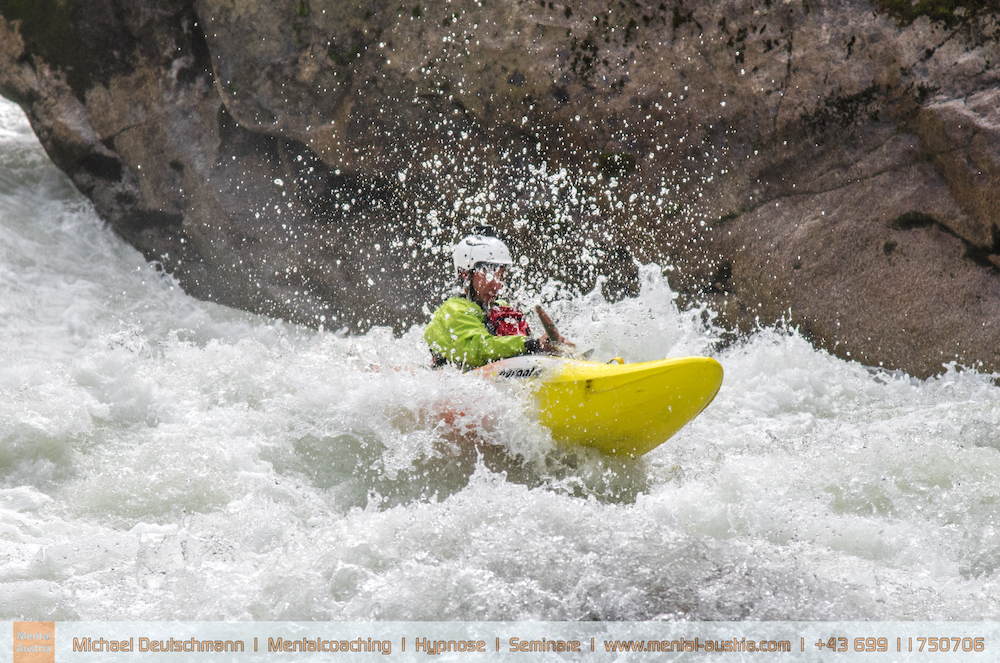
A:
(831, 164)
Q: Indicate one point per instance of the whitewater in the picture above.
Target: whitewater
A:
(164, 458)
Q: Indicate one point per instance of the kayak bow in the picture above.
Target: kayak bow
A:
(621, 409)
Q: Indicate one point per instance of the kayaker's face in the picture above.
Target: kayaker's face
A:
(487, 281)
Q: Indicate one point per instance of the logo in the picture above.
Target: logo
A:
(34, 642)
(532, 372)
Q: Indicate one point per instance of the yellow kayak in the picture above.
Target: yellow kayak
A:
(621, 409)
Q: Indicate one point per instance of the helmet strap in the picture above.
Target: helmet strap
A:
(473, 295)
(470, 288)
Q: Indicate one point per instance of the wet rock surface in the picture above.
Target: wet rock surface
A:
(834, 165)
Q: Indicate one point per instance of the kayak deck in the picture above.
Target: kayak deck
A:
(621, 409)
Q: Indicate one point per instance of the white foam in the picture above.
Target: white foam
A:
(164, 458)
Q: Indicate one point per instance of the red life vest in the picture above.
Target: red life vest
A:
(507, 321)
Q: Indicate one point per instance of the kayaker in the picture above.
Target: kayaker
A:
(475, 328)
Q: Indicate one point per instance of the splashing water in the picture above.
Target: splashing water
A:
(166, 458)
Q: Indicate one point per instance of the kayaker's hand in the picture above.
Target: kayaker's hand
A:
(551, 347)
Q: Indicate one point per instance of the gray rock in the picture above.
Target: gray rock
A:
(817, 162)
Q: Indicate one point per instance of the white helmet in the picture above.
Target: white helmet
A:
(482, 247)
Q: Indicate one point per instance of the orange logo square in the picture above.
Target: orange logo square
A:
(34, 642)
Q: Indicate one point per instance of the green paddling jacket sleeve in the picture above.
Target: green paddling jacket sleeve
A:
(457, 332)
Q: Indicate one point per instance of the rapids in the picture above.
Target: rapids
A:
(164, 458)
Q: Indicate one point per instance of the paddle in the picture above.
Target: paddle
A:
(556, 340)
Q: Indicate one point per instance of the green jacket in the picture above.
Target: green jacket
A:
(457, 332)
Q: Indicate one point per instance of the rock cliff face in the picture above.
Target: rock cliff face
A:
(832, 164)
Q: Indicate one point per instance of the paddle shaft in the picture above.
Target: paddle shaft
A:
(548, 325)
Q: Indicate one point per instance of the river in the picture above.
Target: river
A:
(165, 458)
